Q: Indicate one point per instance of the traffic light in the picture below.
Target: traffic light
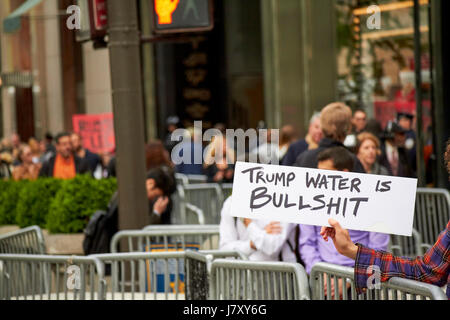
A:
(179, 16)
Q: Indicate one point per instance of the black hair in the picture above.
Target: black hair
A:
(61, 135)
(164, 179)
(341, 157)
(49, 136)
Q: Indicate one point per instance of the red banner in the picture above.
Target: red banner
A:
(96, 130)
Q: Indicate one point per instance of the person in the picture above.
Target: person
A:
(156, 155)
(259, 240)
(432, 268)
(28, 169)
(393, 154)
(359, 123)
(64, 164)
(287, 137)
(172, 124)
(219, 167)
(101, 171)
(405, 120)
(195, 146)
(35, 150)
(91, 158)
(160, 185)
(16, 143)
(367, 150)
(312, 250)
(6, 161)
(335, 121)
(310, 142)
(267, 151)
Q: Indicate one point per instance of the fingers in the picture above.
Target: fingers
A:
(335, 224)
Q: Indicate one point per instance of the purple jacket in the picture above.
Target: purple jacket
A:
(314, 249)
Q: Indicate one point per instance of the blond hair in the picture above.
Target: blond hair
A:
(336, 121)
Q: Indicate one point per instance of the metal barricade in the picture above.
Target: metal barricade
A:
(43, 277)
(163, 237)
(394, 289)
(184, 212)
(406, 246)
(251, 280)
(159, 276)
(181, 178)
(24, 241)
(227, 190)
(432, 214)
(206, 196)
(196, 178)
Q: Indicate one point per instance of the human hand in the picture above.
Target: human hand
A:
(219, 176)
(160, 205)
(247, 222)
(164, 10)
(273, 228)
(341, 239)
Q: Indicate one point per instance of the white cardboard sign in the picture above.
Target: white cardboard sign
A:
(310, 196)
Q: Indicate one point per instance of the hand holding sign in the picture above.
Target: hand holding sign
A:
(310, 196)
(341, 239)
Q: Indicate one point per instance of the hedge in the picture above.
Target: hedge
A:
(75, 203)
(9, 197)
(60, 206)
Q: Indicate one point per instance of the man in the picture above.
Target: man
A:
(359, 124)
(259, 240)
(312, 249)
(310, 142)
(433, 267)
(394, 156)
(64, 164)
(194, 144)
(92, 159)
(335, 121)
(405, 120)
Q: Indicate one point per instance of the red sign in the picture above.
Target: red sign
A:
(100, 14)
(96, 130)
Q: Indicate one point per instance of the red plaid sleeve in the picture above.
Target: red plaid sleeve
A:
(433, 267)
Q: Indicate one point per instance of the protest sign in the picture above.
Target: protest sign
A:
(310, 196)
(96, 130)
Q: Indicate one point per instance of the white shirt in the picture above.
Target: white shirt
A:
(235, 236)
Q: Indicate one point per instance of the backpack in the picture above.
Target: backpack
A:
(101, 228)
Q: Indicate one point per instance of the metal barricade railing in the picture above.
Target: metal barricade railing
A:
(394, 289)
(432, 214)
(168, 237)
(406, 246)
(24, 241)
(184, 212)
(227, 190)
(159, 275)
(43, 277)
(181, 178)
(196, 178)
(206, 196)
(244, 280)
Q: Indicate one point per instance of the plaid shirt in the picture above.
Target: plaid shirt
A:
(433, 267)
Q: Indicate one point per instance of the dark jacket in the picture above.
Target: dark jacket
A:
(81, 167)
(212, 170)
(92, 159)
(404, 167)
(295, 149)
(308, 159)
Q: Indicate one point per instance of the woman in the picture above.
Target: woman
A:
(27, 170)
(367, 150)
(219, 161)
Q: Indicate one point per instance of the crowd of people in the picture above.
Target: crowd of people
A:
(341, 140)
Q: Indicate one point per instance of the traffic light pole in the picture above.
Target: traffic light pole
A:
(125, 63)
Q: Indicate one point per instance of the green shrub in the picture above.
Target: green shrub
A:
(76, 201)
(34, 202)
(9, 196)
